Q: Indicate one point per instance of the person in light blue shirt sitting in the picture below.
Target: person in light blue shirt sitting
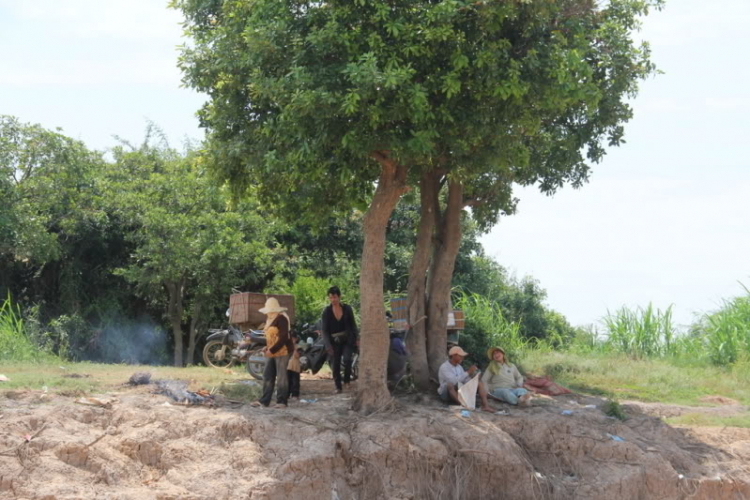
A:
(451, 373)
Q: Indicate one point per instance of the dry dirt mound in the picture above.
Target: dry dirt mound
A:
(718, 400)
(142, 448)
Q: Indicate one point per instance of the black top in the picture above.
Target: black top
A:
(347, 324)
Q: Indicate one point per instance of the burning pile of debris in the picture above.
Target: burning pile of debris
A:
(177, 390)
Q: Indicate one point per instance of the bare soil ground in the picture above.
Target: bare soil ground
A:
(141, 445)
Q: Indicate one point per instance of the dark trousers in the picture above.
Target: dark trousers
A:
(342, 351)
(293, 383)
(275, 374)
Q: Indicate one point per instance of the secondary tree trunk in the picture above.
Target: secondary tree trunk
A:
(174, 311)
(447, 242)
(374, 343)
(195, 323)
(429, 187)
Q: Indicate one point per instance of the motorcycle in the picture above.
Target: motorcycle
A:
(313, 354)
(226, 347)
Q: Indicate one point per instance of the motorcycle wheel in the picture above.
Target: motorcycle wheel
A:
(211, 350)
(355, 368)
(255, 369)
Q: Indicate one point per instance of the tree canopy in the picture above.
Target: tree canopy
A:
(302, 92)
(321, 104)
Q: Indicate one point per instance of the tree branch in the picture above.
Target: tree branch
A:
(472, 202)
(384, 158)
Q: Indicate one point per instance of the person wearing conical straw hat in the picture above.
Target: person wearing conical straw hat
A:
(279, 347)
(503, 380)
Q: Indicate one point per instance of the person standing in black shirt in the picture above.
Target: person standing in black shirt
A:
(340, 336)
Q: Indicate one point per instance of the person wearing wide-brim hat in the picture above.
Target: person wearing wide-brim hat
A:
(503, 380)
(279, 346)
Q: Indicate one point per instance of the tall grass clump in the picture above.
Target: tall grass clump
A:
(486, 327)
(641, 333)
(14, 344)
(725, 334)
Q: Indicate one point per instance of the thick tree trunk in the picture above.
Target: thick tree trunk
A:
(374, 343)
(429, 186)
(447, 243)
(195, 322)
(174, 311)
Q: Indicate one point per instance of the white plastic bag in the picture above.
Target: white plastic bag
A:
(467, 393)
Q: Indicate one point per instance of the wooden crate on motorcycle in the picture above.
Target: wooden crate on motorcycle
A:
(455, 325)
(244, 308)
(399, 313)
(456, 320)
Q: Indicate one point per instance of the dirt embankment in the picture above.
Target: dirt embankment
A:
(143, 448)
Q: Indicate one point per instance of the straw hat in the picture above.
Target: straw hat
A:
(491, 352)
(272, 306)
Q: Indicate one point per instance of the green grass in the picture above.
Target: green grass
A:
(486, 326)
(727, 331)
(241, 392)
(720, 338)
(14, 344)
(650, 380)
(614, 409)
(645, 332)
(98, 377)
(703, 420)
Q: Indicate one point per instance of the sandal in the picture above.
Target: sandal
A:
(257, 404)
(279, 405)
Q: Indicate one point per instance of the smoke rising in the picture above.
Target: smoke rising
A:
(139, 341)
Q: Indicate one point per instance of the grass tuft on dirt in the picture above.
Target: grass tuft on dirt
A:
(614, 409)
(247, 393)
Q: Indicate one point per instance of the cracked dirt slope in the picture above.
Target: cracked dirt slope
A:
(141, 448)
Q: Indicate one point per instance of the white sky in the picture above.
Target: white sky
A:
(95, 68)
(665, 217)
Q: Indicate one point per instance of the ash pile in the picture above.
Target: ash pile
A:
(177, 391)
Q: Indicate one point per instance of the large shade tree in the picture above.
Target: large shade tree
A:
(564, 83)
(325, 105)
